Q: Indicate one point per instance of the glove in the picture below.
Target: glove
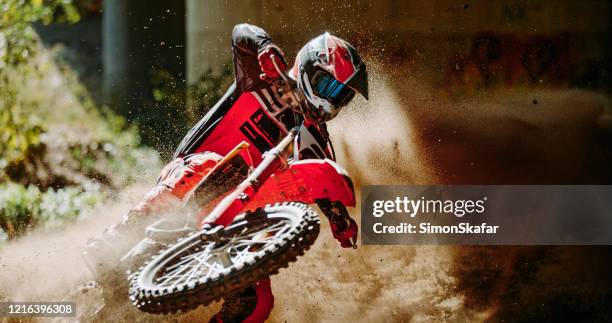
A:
(344, 229)
(265, 57)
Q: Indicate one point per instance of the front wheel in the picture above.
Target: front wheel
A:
(201, 268)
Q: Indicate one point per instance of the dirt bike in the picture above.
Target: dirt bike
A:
(243, 236)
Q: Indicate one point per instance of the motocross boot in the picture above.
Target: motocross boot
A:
(252, 305)
(237, 307)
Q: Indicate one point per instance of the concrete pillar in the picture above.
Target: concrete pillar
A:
(142, 38)
(209, 30)
(115, 51)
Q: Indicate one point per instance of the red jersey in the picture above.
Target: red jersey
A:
(252, 110)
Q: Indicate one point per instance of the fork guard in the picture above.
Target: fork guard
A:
(306, 181)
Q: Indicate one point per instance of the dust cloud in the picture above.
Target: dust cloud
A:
(375, 139)
(47, 265)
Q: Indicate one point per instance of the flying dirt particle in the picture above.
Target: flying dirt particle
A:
(466, 6)
(535, 101)
(395, 148)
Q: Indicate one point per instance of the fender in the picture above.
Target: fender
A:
(306, 181)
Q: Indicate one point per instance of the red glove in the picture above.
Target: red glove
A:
(265, 57)
(344, 229)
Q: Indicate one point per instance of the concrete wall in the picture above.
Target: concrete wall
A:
(435, 29)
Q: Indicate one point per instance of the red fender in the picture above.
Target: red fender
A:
(306, 181)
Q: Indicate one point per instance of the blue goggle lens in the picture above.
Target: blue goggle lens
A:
(333, 90)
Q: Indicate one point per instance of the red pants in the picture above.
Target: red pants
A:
(176, 180)
(265, 302)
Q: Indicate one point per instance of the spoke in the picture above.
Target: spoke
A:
(195, 268)
(252, 234)
(168, 276)
(205, 263)
(244, 239)
(172, 272)
(272, 227)
(188, 257)
(284, 229)
(189, 275)
(240, 254)
(179, 270)
(184, 260)
(212, 269)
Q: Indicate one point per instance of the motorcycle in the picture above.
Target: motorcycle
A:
(262, 225)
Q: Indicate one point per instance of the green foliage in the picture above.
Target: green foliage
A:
(19, 132)
(19, 128)
(17, 37)
(59, 153)
(23, 207)
(19, 137)
(209, 89)
(55, 140)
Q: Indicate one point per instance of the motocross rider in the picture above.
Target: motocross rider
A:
(258, 109)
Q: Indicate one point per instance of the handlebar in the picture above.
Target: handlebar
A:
(282, 73)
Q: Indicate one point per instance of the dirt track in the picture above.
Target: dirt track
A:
(414, 138)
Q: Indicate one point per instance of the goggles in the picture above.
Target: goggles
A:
(332, 90)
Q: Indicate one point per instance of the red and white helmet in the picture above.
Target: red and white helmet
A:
(329, 71)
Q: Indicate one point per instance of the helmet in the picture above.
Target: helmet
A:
(329, 71)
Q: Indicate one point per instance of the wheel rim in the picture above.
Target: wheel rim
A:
(202, 260)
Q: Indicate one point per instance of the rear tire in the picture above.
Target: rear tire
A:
(193, 272)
